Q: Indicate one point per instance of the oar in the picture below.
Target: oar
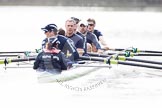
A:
(7, 61)
(128, 54)
(112, 61)
(135, 50)
(126, 58)
(6, 52)
(9, 52)
(11, 55)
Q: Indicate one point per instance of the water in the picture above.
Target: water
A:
(121, 86)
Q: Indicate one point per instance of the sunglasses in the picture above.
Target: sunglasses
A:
(91, 24)
(45, 32)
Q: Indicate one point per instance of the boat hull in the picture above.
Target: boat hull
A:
(71, 74)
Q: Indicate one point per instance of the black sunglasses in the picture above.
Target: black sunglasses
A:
(45, 31)
(91, 24)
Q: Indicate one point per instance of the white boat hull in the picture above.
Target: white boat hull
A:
(46, 77)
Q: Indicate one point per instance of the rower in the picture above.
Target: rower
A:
(77, 20)
(91, 26)
(76, 25)
(64, 43)
(91, 39)
(51, 59)
(76, 39)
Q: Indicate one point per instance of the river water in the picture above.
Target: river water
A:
(120, 86)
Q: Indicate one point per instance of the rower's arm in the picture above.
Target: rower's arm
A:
(80, 47)
(103, 42)
(95, 41)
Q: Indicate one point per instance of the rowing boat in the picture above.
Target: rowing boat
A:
(78, 70)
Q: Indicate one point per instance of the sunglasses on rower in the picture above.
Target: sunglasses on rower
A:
(91, 24)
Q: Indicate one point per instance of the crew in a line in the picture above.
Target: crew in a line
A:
(64, 43)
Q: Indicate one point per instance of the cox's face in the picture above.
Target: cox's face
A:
(47, 33)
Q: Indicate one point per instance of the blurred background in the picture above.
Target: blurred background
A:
(123, 23)
(108, 4)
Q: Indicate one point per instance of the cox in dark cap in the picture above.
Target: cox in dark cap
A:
(50, 27)
(77, 20)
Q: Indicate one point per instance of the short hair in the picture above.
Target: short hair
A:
(61, 31)
(91, 20)
(77, 20)
(48, 46)
(71, 20)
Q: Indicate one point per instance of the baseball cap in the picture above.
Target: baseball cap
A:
(50, 27)
(84, 23)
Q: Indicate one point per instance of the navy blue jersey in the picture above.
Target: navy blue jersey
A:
(97, 33)
(51, 62)
(91, 38)
(64, 45)
(84, 41)
(78, 40)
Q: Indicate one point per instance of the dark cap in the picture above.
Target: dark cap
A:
(77, 20)
(50, 27)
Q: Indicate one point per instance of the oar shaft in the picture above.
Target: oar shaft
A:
(12, 52)
(6, 61)
(148, 51)
(93, 58)
(140, 65)
(126, 58)
(145, 51)
(144, 61)
(147, 54)
(20, 60)
(11, 55)
(137, 54)
(120, 62)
